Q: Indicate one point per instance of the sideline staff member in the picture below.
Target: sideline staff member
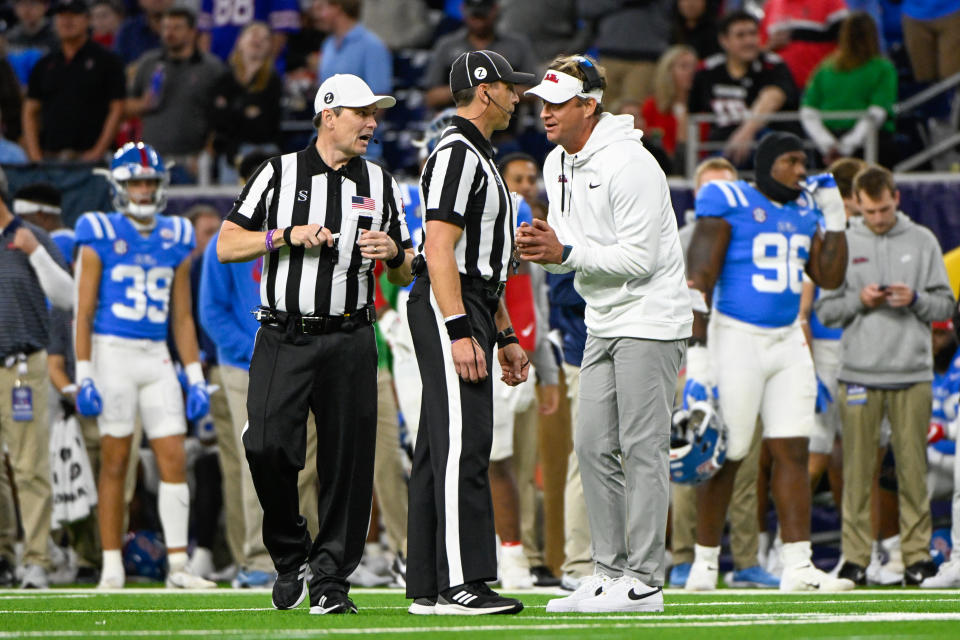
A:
(615, 226)
(321, 217)
(456, 313)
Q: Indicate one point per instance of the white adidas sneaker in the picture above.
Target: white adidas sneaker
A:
(624, 594)
(703, 577)
(590, 587)
(806, 577)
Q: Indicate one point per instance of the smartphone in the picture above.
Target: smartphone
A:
(882, 287)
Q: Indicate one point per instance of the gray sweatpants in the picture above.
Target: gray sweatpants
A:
(622, 441)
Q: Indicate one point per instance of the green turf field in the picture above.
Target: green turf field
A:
(226, 613)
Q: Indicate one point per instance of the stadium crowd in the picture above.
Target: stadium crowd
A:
(212, 88)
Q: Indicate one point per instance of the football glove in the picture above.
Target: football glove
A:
(826, 195)
(700, 383)
(824, 397)
(89, 402)
(198, 401)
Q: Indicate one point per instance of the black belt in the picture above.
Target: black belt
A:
(472, 283)
(316, 325)
(477, 283)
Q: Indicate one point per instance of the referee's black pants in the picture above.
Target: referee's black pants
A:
(335, 376)
(451, 537)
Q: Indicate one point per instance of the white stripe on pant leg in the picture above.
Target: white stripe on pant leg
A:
(451, 476)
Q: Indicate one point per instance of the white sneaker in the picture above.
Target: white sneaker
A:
(184, 580)
(948, 576)
(774, 565)
(364, 577)
(111, 581)
(624, 594)
(34, 577)
(807, 577)
(514, 569)
(201, 563)
(570, 582)
(703, 577)
(836, 568)
(590, 587)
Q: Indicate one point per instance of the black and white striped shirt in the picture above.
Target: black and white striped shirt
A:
(460, 184)
(298, 189)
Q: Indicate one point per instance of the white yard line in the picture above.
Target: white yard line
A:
(646, 622)
(719, 593)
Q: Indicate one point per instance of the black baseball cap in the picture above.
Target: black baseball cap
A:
(478, 7)
(475, 67)
(71, 6)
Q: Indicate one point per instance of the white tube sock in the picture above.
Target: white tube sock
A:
(709, 555)
(173, 503)
(112, 563)
(795, 554)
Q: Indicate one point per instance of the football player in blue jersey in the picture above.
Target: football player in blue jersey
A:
(132, 265)
(754, 242)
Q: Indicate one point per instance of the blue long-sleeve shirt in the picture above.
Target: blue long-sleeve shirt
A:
(228, 293)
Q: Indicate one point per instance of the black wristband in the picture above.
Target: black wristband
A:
(507, 336)
(459, 328)
(286, 236)
(397, 260)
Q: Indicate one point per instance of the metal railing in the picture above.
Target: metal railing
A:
(694, 145)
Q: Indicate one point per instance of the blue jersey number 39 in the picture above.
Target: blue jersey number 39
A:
(784, 258)
(147, 292)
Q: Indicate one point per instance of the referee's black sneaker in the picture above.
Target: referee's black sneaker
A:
(290, 588)
(918, 572)
(333, 601)
(423, 606)
(474, 599)
(853, 572)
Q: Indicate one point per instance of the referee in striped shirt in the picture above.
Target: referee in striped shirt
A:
(456, 315)
(320, 217)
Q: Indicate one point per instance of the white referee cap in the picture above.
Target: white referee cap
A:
(346, 90)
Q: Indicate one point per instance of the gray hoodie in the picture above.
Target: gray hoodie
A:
(885, 345)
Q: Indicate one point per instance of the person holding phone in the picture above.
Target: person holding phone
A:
(896, 285)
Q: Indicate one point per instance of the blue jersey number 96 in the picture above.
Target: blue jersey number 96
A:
(784, 258)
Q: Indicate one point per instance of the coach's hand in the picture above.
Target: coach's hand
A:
(310, 235)
(539, 243)
(514, 363)
(468, 359)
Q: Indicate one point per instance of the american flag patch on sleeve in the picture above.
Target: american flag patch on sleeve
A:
(363, 202)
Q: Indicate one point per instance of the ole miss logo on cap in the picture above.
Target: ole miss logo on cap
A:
(551, 77)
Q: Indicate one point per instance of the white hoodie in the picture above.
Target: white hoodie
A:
(611, 203)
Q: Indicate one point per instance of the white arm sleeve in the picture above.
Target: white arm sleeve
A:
(813, 125)
(855, 138)
(57, 283)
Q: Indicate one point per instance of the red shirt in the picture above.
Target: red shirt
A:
(813, 27)
(665, 123)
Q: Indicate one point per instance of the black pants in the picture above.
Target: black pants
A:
(450, 538)
(335, 376)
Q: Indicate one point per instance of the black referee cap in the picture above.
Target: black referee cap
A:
(476, 67)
